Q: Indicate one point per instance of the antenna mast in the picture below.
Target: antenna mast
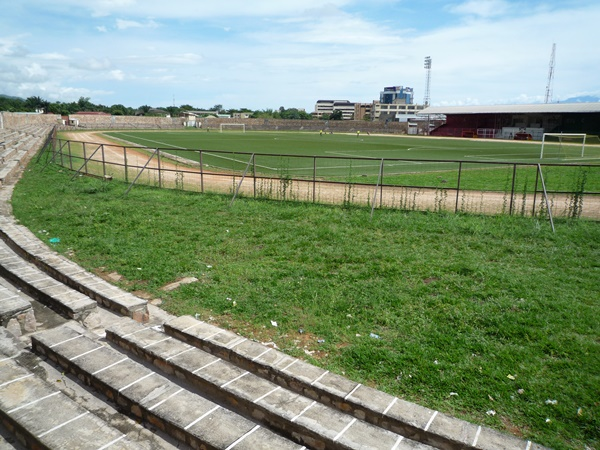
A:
(427, 80)
(548, 98)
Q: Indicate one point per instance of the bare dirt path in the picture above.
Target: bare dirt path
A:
(168, 172)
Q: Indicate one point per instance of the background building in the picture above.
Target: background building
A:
(328, 107)
(396, 94)
(503, 121)
(395, 105)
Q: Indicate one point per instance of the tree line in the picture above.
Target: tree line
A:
(38, 104)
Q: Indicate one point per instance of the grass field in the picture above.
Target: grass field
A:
(491, 319)
(413, 161)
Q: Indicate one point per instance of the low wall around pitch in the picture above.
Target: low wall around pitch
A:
(22, 120)
(90, 121)
(340, 126)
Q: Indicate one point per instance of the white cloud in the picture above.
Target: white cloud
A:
(122, 24)
(92, 64)
(52, 56)
(11, 46)
(117, 75)
(268, 53)
(34, 71)
(480, 8)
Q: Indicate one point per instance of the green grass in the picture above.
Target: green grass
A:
(458, 302)
(290, 154)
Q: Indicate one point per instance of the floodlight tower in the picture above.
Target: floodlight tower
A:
(427, 80)
(548, 97)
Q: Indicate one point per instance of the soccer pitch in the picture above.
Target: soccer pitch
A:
(304, 154)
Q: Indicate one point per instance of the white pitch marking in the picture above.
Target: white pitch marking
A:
(85, 353)
(345, 429)
(430, 421)
(33, 402)
(202, 417)
(235, 379)
(206, 365)
(390, 406)
(266, 351)
(243, 437)
(16, 379)
(352, 391)
(303, 411)
(109, 366)
(63, 424)
(136, 381)
(66, 340)
(395, 447)
(266, 395)
(112, 442)
(319, 377)
(164, 400)
(476, 436)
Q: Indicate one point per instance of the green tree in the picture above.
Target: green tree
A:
(35, 103)
(118, 110)
(336, 115)
(144, 109)
(85, 104)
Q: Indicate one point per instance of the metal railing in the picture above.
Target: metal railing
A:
(478, 187)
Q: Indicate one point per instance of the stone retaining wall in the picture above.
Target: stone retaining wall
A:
(20, 120)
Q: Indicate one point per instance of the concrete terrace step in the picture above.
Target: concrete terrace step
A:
(28, 246)
(9, 168)
(150, 397)
(290, 414)
(14, 308)
(41, 416)
(42, 287)
(375, 407)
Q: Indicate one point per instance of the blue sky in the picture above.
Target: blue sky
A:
(263, 54)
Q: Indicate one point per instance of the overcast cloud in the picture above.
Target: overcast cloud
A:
(269, 53)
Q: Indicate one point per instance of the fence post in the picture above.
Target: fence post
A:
(512, 190)
(242, 180)
(70, 155)
(103, 162)
(125, 164)
(548, 206)
(201, 173)
(535, 191)
(85, 159)
(159, 169)
(458, 186)
(377, 188)
(314, 179)
(254, 175)
(381, 184)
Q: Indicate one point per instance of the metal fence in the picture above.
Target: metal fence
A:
(477, 187)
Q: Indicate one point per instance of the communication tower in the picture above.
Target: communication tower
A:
(427, 80)
(548, 98)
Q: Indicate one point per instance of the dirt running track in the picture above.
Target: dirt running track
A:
(175, 174)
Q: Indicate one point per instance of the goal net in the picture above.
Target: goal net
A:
(224, 127)
(563, 145)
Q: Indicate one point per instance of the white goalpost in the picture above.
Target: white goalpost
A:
(233, 127)
(563, 144)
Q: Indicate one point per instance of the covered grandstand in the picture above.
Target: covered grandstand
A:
(505, 121)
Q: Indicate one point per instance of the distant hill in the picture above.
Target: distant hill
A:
(12, 97)
(582, 99)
